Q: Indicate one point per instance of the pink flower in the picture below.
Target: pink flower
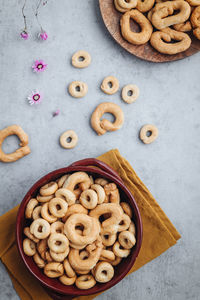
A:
(34, 98)
(43, 35)
(24, 35)
(39, 66)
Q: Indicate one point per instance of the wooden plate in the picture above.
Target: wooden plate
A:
(111, 18)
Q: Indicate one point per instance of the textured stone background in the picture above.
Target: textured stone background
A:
(170, 98)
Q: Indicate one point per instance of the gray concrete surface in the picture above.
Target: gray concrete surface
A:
(170, 98)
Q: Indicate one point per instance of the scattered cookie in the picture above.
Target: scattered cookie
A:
(102, 126)
(130, 93)
(110, 85)
(81, 59)
(69, 139)
(20, 152)
(148, 133)
(78, 89)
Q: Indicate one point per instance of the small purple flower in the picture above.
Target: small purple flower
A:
(34, 98)
(39, 66)
(24, 35)
(56, 113)
(43, 35)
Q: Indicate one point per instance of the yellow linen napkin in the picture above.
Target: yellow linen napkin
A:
(159, 234)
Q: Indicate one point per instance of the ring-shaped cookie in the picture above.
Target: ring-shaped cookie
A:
(145, 5)
(54, 269)
(107, 255)
(20, 152)
(57, 227)
(62, 179)
(125, 223)
(30, 235)
(30, 207)
(127, 209)
(119, 251)
(67, 195)
(134, 37)
(90, 232)
(39, 261)
(37, 212)
(108, 239)
(130, 93)
(58, 207)
(110, 85)
(46, 215)
(29, 247)
(101, 126)
(40, 228)
(69, 139)
(44, 199)
(100, 192)
(81, 59)
(58, 242)
(89, 199)
(59, 257)
(85, 282)
(104, 272)
(48, 189)
(127, 239)
(77, 178)
(78, 89)
(68, 269)
(75, 209)
(101, 181)
(153, 133)
(67, 280)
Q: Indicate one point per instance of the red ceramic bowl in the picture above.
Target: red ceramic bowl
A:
(95, 168)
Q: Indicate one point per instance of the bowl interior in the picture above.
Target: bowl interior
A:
(120, 270)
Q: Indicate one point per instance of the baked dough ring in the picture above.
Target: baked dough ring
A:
(127, 209)
(134, 37)
(123, 6)
(143, 133)
(68, 269)
(40, 224)
(78, 89)
(85, 282)
(90, 232)
(29, 235)
(183, 27)
(110, 85)
(134, 93)
(67, 280)
(104, 272)
(120, 252)
(58, 242)
(59, 257)
(49, 189)
(145, 5)
(72, 136)
(195, 17)
(193, 2)
(78, 178)
(75, 209)
(126, 239)
(46, 214)
(54, 269)
(29, 247)
(30, 207)
(163, 17)
(81, 59)
(100, 192)
(57, 227)
(101, 126)
(67, 195)
(89, 199)
(39, 261)
(58, 207)
(20, 152)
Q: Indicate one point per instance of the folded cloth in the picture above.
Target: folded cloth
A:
(159, 234)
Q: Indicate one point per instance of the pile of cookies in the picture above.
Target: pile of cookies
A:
(163, 23)
(79, 229)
